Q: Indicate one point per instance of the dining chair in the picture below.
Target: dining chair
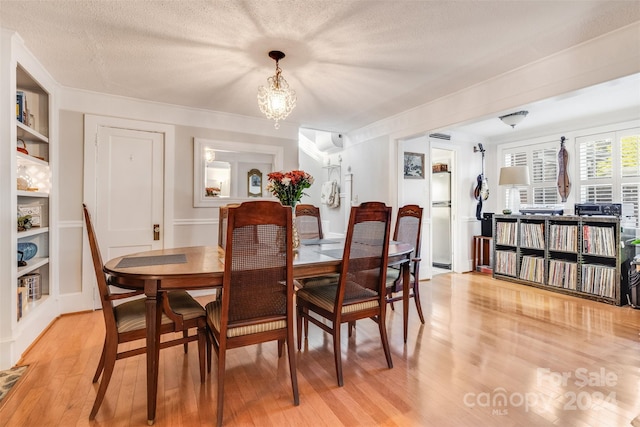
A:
(127, 321)
(308, 221)
(256, 305)
(360, 290)
(408, 229)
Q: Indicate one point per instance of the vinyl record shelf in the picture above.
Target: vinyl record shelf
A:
(583, 256)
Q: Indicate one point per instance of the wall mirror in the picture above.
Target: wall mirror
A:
(231, 172)
(254, 183)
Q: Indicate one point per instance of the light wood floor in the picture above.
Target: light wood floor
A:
(491, 353)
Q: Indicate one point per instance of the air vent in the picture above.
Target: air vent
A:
(440, 136)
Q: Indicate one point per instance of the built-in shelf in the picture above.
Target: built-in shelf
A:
(30, 159)
(32, 265)
(22, 193)
(34, 231)
(25, 132)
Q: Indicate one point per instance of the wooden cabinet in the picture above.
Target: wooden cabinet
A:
(581, 256)
(28, 290)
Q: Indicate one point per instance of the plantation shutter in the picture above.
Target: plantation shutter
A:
(545, 176)
(515, 158)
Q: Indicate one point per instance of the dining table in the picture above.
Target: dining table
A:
(202, 267)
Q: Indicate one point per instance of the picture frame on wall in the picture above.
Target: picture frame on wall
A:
(413, 165)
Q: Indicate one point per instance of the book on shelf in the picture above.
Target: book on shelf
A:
(598, 240)
(563, 238)
(532, 235)
(532, 269)
(506, 233)
(599, 280)
(505, 262)
(20, 108)
(563, 274)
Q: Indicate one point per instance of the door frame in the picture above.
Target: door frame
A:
(91, 125)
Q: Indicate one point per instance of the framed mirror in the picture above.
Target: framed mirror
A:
(231, 172)
(254, 183)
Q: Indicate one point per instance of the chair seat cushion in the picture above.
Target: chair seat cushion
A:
(325, 296)
(393, 274)
(131, 315)
(312, 282)
(214, 310)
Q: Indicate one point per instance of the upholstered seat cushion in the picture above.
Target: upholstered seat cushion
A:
(393, 274)
(312, 282)
(325, 297)
(214, 310)
(131, 315)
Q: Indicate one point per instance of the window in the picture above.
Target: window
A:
(543, 167)
(610, 168)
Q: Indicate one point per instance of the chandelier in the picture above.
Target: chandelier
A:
(276, 100)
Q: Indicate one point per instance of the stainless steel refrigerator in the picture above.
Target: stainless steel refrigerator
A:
(441, 219)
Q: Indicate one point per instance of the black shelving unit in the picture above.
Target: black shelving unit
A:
(575, 255)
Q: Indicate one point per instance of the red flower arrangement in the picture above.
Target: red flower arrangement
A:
(289, 187)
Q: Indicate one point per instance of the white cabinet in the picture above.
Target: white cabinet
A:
(28, 288)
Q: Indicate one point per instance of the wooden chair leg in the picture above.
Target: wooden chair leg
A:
(299, 326)
(185, 334)
(306, 323)
(416, 297)
(280, 348)
(337, 353)
(221, 369)
(383, 337)
(110, 350)
(292, 367)
(202, 343)
(352, 326)
(101, 362)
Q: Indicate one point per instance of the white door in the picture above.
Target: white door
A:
(127, 187)
(129, 191)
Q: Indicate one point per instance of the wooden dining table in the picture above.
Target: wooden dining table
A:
(202, 267)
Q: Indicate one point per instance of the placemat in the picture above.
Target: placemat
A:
(143, 261)
(333, 253)
(318, 241)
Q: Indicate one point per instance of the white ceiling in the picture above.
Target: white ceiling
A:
(351, 62)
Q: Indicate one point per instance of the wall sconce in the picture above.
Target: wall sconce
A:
(514, 176)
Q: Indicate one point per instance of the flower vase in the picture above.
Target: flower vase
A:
(294, 230)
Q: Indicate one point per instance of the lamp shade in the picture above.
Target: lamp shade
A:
(514, 175)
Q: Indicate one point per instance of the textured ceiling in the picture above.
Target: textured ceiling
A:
(351, 62)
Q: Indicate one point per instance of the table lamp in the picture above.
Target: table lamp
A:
(514, 176)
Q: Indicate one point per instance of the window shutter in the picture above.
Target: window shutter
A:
(630, 146)
(596, 193)
(545, 195)
(631, 194)
(515, 159)
(545, 164)
(596, 159)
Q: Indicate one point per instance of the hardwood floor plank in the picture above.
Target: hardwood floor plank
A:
(490, 353)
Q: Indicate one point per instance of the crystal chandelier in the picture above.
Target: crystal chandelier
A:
(276, 100)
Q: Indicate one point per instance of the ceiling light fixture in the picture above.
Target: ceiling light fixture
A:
(514, 118)
(276, 100)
